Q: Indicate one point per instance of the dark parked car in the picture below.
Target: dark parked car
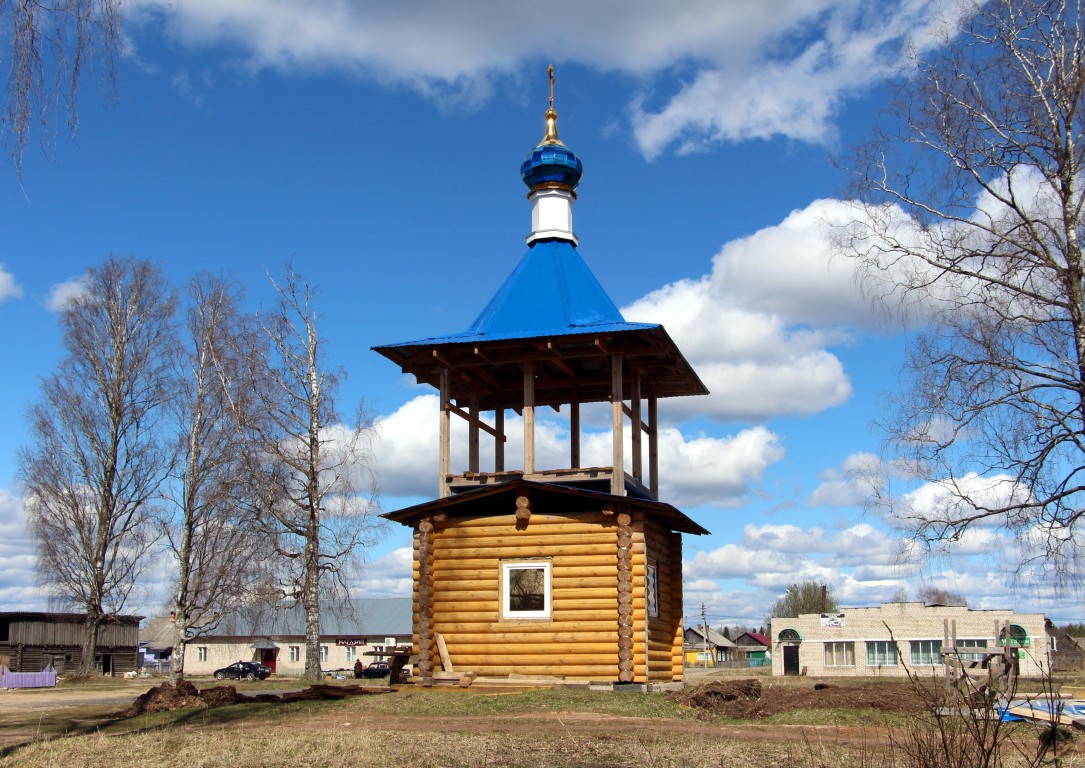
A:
(243, 670)
(377, 669)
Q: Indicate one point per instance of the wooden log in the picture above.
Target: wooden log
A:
(467, 679)
(448, 565)
(465, 651)
(569, 672)
(598, 640)
(442, 649)
(471, 526)
(532, 536)
(513, 550)
(480, 662)
(540, 631)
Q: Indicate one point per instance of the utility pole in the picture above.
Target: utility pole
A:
(704, 627)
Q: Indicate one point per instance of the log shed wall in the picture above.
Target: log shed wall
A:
(578, 641)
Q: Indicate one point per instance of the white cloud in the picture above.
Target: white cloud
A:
(693, 470)
(61, 293)
(758, 328)
(18, 582)
(387, 576)
(752, 69)
(9, 289)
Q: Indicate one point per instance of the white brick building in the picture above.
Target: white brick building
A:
(350, 630)
(896, 637)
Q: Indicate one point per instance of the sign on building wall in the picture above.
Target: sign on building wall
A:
(350, 641)
(832, 620)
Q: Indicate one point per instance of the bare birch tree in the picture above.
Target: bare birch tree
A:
(215, 546)
(51, 44)
(98, 452)
(972, 210)
(313, 473)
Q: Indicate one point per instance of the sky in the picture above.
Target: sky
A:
(376, 148)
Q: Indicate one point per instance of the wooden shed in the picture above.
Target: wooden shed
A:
(542, 579)
(571, 571)
(29, 642)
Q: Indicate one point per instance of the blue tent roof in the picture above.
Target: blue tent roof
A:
(551, 292)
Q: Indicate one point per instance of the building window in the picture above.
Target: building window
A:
(1018, 635)
(352, 653)
(962, 644)
(525, 588)
(201, 653)
(323, 653)
(881, 653)
(295, 653)
(840, 654)
(651, 591)
(926, 652)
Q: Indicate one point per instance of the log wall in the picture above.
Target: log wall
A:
(598, 627)
(579, 640)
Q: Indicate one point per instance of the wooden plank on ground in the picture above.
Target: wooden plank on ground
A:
(446, 660)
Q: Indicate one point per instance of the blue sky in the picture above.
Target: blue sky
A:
(378, 151)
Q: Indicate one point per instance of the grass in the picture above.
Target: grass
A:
(449, 728)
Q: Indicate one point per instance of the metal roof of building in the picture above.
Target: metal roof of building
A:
(546, 498)
(353, 617)
(550, 293)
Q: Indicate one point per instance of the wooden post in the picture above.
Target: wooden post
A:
(625, 597)
(637, 426)
(425, 599)
(617, 478)
(499, 440)
(529, 418)
(472, 432)
(653, 446)
(574, 434)
(444, 462)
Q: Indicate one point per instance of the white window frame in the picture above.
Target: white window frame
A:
(323, 654)
(926, 653)
(839, 653)
(519, 565)
(201, 653)
(651, 591)
(295, 653)
(882, 653)
(352, 652)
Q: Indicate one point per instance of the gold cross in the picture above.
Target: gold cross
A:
(550, 71)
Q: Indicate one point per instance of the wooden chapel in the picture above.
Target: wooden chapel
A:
(572, 572)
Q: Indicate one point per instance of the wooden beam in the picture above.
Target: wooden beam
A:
(472, 436)
(635, 433)
(445, 429)
(617, 478)
(574, 434)
(499, 440)
(529, 418)
(473, 419)
(653, 446)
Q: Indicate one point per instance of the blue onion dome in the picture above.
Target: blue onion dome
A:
(551, 163)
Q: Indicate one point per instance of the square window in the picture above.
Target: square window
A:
(352, 653)
(926, 652)
(881, 653)
(840, 654)
(525, 590)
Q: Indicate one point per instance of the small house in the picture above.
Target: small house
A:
(30, 642)
(707, 646)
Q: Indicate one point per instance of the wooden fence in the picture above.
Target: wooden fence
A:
(47, 678)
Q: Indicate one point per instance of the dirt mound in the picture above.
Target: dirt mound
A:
(728, 698)
(745, 699)
(167, 696)
(184, 694)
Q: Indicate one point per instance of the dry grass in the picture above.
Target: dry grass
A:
(451, 728)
